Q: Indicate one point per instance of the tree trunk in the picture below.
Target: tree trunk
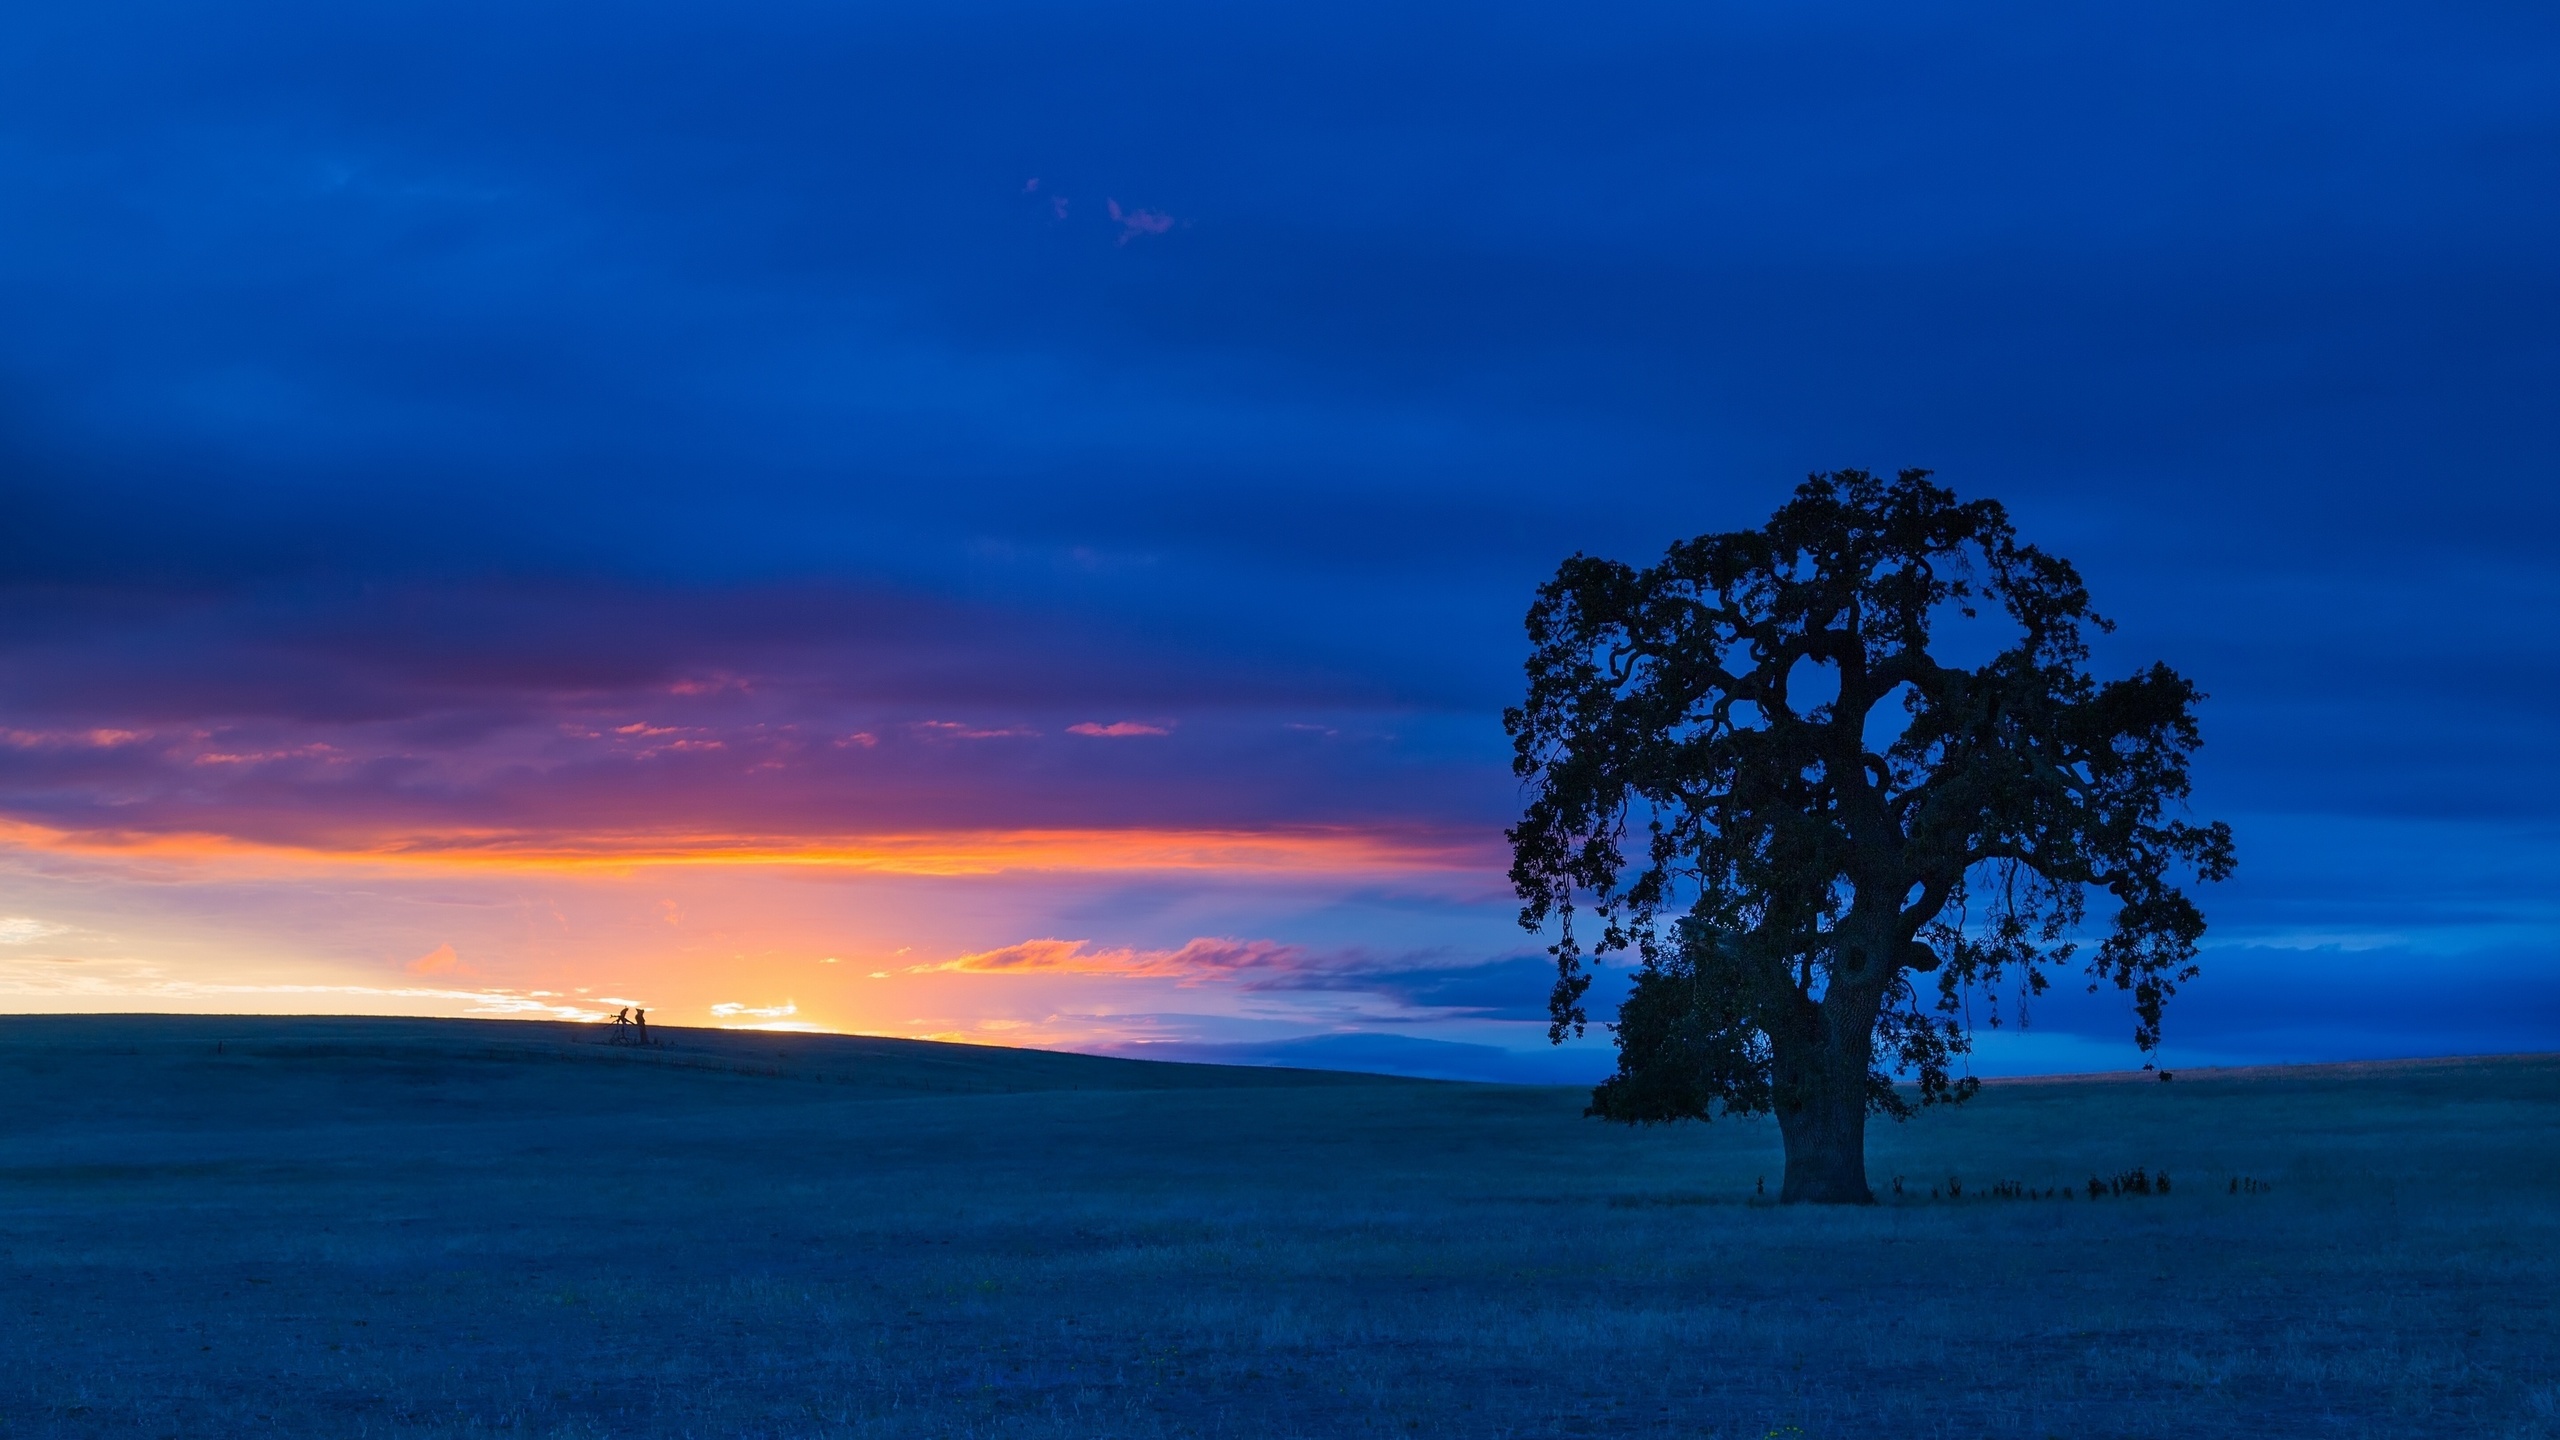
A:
(1821, 1095)
(1826, 1144)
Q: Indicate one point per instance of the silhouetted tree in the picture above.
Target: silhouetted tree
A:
(1755, 734)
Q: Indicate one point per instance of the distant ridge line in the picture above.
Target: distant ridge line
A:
(2338, 1068)
(812, 1057)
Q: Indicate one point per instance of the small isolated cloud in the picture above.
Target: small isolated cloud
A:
(714, 684)
(440, 961)
(1199, 959)
(1134, 223)
(19, 929)
(1119, 729)
(313, 751)
(954, 730)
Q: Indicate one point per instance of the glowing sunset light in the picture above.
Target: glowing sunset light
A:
(1309, 851)
(474, 559)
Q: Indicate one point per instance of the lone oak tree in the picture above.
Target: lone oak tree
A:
(1727, 712)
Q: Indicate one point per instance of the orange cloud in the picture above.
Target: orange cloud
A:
(1301, 851)
(440, 961)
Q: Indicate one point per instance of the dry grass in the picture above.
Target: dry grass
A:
(420, 1228)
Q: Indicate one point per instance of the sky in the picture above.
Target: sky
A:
(1011, 522)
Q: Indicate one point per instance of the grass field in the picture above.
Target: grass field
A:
(380, 1227)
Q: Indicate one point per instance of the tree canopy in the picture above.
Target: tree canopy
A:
(1753, 741)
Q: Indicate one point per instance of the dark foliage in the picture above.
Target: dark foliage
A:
(1753, 739)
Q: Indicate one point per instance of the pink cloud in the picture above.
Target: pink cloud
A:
(315, 750)
(100, 739)
(954, 730)
(707, 685)
(1199, 959)
(1118, 729)
(1135, 223)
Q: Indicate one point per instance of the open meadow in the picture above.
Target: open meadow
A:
(238, 1226)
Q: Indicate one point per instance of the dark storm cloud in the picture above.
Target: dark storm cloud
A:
(420, 381)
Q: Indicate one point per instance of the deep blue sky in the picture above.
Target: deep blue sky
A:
(401, 379)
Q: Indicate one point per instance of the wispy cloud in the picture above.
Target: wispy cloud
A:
(954, 730)
(1419, 982)
(1134, 223)
(129, 984)
(19, 929)
(315, 751)
(96, 739)
(1197, 960)
(1119, 729)
(1459, 854)
(1512, 988)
